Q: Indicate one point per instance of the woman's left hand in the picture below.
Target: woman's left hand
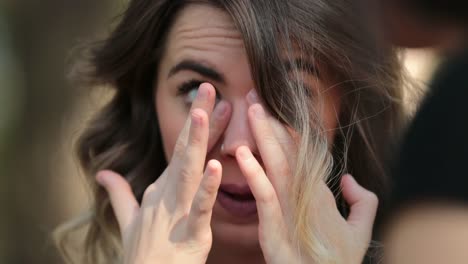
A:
(349, 237)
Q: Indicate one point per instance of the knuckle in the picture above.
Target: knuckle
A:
(160, 180)
(198, 245)
(211, 188)
(199, 113)
(149, 190)
(196, 138)
(179, 148)
(197, 134)
(268, 198)
(269, 139)
(186, 175)
(372, 198)
(257, 170)
(200, 116)
(204, 238)
(201, 206)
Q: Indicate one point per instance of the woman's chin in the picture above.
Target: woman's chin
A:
(234, 231)
(238, 236)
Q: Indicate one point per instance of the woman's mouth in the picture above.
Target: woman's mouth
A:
(237, 200)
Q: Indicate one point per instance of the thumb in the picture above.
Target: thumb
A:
(362, 203)
(121, 196)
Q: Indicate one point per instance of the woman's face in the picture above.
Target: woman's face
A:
(206, 39)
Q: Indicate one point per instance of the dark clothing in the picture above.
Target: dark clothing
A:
(433, 160)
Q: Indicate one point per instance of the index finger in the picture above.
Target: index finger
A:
(188, 160)
(205, 101)
(277, 162)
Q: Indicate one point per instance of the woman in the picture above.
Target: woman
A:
(328, 97)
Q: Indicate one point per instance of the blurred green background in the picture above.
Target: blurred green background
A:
(41, 114)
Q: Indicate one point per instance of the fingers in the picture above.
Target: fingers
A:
(268, 207)
(122, 199)
(190, 151)
(202, 206)
(204, 101)
(363, 205)
(269, 145)
(189, 169)
(218, 122)
(285, 135)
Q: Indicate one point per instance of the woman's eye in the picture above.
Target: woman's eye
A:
(191, 95)
(189, 90)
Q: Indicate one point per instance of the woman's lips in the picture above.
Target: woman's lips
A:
(237, 200)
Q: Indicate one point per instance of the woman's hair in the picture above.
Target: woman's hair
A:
(124, 135)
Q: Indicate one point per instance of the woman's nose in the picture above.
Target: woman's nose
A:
(238, 131)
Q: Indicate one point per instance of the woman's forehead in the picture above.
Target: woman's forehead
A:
(200, 20)
(204, 34)
(207, 33)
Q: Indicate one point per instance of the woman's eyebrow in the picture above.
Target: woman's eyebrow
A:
(198, 68)
(302, 65)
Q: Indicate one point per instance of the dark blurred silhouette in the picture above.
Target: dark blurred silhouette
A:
(428, 217)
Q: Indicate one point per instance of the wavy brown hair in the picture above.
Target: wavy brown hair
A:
(124, 135)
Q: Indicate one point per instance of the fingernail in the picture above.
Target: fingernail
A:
(220, 109)
(213, 166)
(252, 97)
(202, 93)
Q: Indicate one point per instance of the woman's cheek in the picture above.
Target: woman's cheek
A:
(332, 113)
(171, 116)
(170, 131)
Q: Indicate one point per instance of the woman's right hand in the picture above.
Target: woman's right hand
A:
(172, 224)
(344, 240)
